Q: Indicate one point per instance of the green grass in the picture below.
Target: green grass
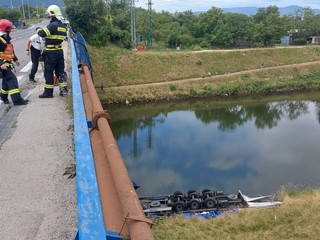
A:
(181, 75)
(297, 218)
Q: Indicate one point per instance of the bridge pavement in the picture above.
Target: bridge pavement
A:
(37, 201)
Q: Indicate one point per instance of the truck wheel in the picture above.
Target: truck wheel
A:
(210, 203)
(178, 206)
(194, 204)
(206, 193)
(192, 194)
(177, 195)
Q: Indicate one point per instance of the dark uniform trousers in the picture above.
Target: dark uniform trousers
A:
(53, 63)
(10, 86)
(35, 55)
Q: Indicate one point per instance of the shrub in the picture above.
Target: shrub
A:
(300, 41)
(192, 92)
(199, 62)
(173, 87)
(245, 77)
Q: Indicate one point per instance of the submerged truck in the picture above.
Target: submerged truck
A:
(206, 200)
(191, 201)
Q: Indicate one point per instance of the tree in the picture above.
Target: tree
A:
(116, 7)
(235, 29)
(11, 14)
(161, 26)
(268, 25)
(309, 25)
(208, 23)
(88, 17)
(186, 19)
(14, 15)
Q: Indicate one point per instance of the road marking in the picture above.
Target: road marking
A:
(30, 92)
(26, 67)
(19, 78)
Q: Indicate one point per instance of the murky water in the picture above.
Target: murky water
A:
(256, 145)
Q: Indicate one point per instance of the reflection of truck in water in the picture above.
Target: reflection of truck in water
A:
(207, 200)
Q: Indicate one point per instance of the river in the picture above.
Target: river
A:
(258, 145)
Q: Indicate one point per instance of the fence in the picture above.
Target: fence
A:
(108, 206)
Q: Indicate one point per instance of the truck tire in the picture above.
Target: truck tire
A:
(194, 204)
(210, 203)
(178, 206)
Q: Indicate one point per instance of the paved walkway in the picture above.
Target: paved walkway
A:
(37, 201)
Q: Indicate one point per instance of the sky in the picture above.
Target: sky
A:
(204, 5)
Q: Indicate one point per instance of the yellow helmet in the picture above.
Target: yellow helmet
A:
(53, 11)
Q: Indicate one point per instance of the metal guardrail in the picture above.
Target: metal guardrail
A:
(90, 219)
(108, 206)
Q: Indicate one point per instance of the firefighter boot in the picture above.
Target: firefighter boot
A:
(46, 94)
(31, 79)
(5, 100)
(21, 101)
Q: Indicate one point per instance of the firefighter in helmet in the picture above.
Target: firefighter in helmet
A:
(7, 57)
(53, 57)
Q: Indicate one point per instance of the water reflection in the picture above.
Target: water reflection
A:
(255, 145)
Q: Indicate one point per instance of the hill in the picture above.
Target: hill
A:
(253, 10)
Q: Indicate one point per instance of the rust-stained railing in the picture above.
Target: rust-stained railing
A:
(121, 207)
(123, 217)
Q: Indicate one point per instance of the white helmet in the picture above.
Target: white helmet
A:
(53, 11)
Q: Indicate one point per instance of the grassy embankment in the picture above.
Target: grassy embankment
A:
(122, 75)
(297, 218)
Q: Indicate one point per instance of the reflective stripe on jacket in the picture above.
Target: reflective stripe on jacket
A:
(7, 54)
(54, 33)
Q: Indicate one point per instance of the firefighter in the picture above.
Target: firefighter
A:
(53, 57)
(10, 84)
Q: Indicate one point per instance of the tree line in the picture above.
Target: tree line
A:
(109, 21)
(23, 12)
(102, 22)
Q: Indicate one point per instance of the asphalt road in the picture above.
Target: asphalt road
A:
(37, 200)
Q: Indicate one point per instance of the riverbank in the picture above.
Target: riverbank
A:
(296, 218)
(122, 76)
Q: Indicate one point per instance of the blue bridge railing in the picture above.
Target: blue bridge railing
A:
(90, 217)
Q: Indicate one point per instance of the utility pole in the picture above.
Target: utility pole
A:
(37, 8)
(24, 14)
(133, 26)
(29, 9)
(150, 23)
